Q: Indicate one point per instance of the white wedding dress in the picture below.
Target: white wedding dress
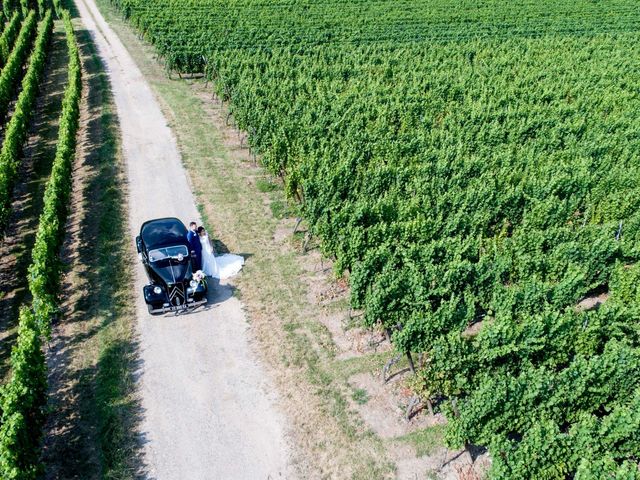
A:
(223, 266)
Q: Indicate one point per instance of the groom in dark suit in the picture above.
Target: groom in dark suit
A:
(195, 247)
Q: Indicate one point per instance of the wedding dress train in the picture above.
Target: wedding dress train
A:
(222, 266)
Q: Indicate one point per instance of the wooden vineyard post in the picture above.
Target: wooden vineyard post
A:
(411, 365)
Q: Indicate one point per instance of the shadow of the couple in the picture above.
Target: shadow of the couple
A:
(218, 293)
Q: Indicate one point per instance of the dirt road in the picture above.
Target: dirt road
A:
(208, 410)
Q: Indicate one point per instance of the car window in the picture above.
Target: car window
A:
(178, 252)
(158, 233)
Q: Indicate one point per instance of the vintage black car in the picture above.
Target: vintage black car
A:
(164, 250)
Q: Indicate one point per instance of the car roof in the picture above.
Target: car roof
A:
(162, 232)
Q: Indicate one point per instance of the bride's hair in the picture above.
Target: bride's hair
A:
(200, 230)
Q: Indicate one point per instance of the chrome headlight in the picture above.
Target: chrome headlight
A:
(157, 290)
(193, 284)
(180, 257)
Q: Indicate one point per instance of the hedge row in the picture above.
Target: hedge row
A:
(44, 272)
(8, 37)
(23, 399)
(12, 70)
(9, 7)
(16, 130)
(58, 8)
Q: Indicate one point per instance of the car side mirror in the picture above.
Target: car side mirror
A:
(139, 244)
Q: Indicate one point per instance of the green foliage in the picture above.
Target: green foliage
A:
(10, 7)
(8, 37)
(469, 164)
(186, 31)
(264, 185)
(12, 70)
(16, 129)
(594, 447)
(29, 5)
(23, 400)
(360, 396)
(44, 271)
(58, 8)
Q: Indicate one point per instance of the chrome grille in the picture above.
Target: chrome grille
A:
(176, 295)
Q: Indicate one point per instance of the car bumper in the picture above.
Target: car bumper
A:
(179, 308)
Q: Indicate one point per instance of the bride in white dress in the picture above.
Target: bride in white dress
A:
(222, 266)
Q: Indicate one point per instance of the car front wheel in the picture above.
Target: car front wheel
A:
(150, 308)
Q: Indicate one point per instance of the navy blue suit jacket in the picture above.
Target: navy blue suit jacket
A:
(194, 242)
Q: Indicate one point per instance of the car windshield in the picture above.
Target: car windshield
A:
(178, 252)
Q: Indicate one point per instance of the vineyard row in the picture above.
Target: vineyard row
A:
(23, 398)
(473, 189)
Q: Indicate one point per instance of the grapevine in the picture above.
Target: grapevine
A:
(465, 163)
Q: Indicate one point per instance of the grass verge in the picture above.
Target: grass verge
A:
(92, 358)
(425, 441)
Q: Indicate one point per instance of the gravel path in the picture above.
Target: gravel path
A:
(208, 410)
